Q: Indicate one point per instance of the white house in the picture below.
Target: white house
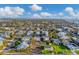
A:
(23, 45)
(26, 39)
(59, 29)
(49, 48)
(46, 33)
(56, 41)
(74, 38)
(37, 38)
(37, 32)
(60, 34)
(65, 37)
(29, 32)
(46, 38)
(70, 46)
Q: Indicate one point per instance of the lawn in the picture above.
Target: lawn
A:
(46, 52)
(57, 49)
(77, 51)
(60, 49)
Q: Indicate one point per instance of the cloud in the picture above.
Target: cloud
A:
(29, 13)
(36, 16)
(70, 11)
(35, 7)
(11, 11)
(60, 14)
(45, 14)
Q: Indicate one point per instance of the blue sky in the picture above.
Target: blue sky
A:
(40, 10)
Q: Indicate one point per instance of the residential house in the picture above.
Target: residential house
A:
(56, 41)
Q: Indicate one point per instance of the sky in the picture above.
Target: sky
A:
(53, 11)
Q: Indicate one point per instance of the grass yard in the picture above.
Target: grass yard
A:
(77, 51)
(60, 49)
(46, 52)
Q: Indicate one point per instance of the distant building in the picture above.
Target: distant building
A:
(48, 48)
(71, 47)
(23, 45)
(56, 41)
